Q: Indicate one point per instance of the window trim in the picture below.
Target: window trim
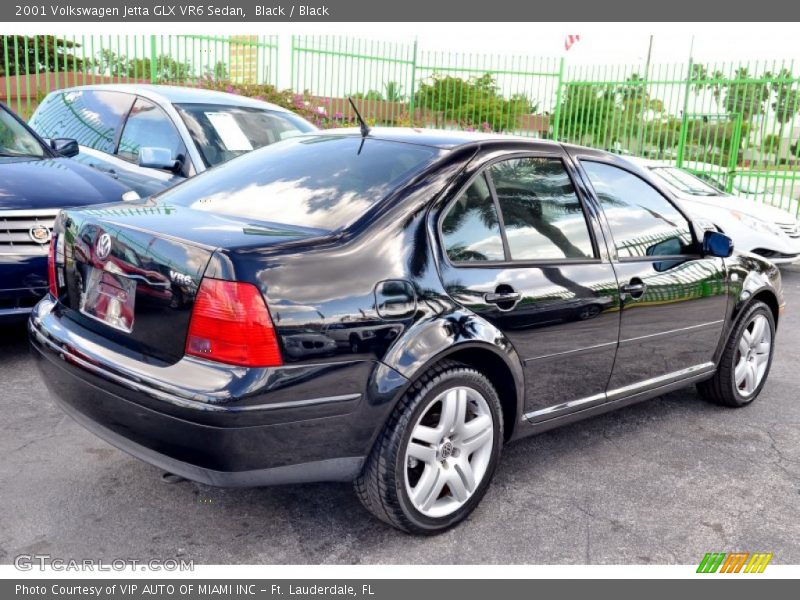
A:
(116, 153)
(580, 159)
(508, 262)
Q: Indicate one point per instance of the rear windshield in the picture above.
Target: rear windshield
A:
(323, 182)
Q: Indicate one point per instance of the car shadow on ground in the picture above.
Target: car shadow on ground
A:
(553, 480)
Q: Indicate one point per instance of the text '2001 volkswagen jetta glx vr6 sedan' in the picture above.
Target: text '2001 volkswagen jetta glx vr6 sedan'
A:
(391, 309)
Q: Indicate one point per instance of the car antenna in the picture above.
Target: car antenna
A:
(362, 124)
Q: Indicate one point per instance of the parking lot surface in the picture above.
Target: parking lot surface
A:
(661, 482)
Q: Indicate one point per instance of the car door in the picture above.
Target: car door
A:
(673, 299)
(521, 250)
(148, 126)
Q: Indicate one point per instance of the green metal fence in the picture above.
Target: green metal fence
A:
(379, 75)
(32, 66)
(735, 124)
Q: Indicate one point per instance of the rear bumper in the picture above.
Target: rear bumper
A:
(283, 431)
(334, 469)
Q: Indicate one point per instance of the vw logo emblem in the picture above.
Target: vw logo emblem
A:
(103, 246)
(39, 234)
(446, 450)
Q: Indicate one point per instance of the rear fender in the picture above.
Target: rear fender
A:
(432, 340)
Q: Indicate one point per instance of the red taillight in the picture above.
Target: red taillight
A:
(51, 268)
(231, 324)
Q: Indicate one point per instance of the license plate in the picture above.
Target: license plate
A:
(109, 298)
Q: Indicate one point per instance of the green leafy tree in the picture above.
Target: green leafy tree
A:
(38, 54)
(743, 95)
(370, 95)
(167, 69)
(608, 114)
(219, 72)
(589, 114)
(786, 104)
(393, 91)
(740, 94)
(473, 103)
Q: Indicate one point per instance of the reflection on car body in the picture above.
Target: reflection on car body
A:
(417, 299)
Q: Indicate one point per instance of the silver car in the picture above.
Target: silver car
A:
(151, 137)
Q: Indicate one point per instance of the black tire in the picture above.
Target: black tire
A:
(381, 486)
(722, 389)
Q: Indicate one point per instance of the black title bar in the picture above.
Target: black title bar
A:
(396, 11)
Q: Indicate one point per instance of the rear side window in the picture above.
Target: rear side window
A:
(471, 229)
(531, 202)
(90, 117)
(543, 217)
(642, 221)
(148, 126)
(322, 181)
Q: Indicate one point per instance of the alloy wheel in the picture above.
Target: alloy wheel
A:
(449, 451)
(752, 355)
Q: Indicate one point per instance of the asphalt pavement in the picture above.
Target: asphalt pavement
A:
(662, 482)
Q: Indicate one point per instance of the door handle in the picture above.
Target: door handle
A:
(501, 297)
(635, 288)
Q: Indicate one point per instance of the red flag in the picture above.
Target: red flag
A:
(570, 41)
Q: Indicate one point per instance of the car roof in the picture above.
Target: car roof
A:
(180, 95)
(649, 162)
(439, 138)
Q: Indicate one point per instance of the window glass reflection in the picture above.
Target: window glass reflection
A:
(148, 125)
(642, 221)
(541, 212)
(322, 182)
(471, 229)
(90, 117)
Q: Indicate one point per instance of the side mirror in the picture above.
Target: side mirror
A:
(152, 157)
(717, 244)
(65, 147)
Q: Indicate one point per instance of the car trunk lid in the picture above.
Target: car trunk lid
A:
(131, 273)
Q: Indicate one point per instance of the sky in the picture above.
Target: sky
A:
(600, 42)
(628, 44)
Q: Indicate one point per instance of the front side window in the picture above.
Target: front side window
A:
(642, 221)
(148, 126)
(91, 117)
(470, 228)
(224, 132)
(543, 217)
(15, 140)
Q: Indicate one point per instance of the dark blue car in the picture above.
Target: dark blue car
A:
(37, 180)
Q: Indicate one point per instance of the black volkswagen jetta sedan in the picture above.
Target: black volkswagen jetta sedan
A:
(391, 309)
